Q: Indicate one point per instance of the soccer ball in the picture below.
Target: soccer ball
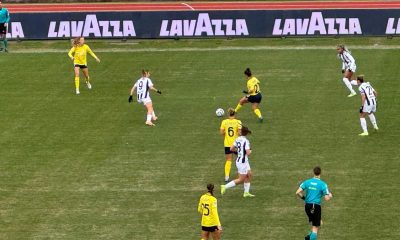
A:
(220, 112)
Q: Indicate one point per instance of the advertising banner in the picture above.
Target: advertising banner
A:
(199, 24)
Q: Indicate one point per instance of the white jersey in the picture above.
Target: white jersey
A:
(348, 62)
(242, 144)
(143, 86)
(366, 89)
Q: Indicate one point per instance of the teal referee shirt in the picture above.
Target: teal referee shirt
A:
(4, 15)
(315, 189)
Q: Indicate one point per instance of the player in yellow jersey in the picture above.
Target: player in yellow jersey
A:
(253, 94)
(229, 129)
(209, 215)
(78, 55)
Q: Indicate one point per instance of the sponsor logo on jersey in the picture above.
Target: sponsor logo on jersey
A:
(317, 25)
(203, 26)
(91, 27)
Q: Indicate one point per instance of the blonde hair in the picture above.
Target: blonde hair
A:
(231, 112)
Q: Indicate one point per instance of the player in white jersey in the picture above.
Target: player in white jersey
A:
(348, 68)
(368, 104)
(242, 146)
(143, 87)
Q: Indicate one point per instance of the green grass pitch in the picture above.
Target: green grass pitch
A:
(86, 167)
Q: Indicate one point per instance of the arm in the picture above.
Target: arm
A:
(375, 93)
(327, 193)
(7, 17)
(222, 131)
(133, 89)
(72, 51)
(92, 54)
(200, 208)
(300, 194)
(155, 89)
(248, 152)
(215, 212)
(363, 99)
(233, 148)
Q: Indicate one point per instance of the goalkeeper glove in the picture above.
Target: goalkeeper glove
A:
(130, 98)
(361, 109)
(245, 92)
(158, 91)
(303, 197)
(343, 70)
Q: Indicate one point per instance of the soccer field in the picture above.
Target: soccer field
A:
(86, 167)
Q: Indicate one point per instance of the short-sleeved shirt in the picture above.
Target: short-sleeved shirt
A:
(366, 89)
(242, 144)
(231, 128)
(209, 211)
(143, 86)
(253, 86)
(315, 189)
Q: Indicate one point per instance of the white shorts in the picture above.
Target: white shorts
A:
(369, 108)
(243, 168)
(352, 68)
(144, 100)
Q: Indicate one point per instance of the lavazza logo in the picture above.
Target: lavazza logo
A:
(204, 25)
(91, 26)
(317, 24)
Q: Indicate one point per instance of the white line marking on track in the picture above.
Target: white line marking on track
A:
(187, 5)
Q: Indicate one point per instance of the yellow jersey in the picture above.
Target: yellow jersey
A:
(208, 210)
(253, 86)
(231, 127)
(79, 54)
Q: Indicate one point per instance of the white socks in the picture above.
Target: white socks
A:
(246, 187)
(348, 84)
(148, 118)
(373, 120)
(353, 82)
(363, 124)
(230, 184)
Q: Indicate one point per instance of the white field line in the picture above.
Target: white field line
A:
(185, 49)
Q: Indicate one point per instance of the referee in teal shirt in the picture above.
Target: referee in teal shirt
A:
(4, 20)
(311, 191)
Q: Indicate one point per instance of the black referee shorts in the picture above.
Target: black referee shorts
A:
(313, 212)
(255, 98)
(3, 29)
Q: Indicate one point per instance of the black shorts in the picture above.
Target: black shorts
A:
(228, 151)
(255, 98)
(209, 229)
(313, 212)
(80, 66)
(3, 29)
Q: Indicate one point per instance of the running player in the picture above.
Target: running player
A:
(229, 129)
(311, 191)
(242, 146)
(368, 104)
(348, 68)
(209, 215)
(253, 94)
(78, 54)
(142, 86)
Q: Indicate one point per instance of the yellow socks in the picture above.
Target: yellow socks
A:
(258, 113)
(77, 84)
(228, 165)
(238, 107)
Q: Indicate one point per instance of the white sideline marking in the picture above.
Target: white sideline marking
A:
(187, 5)
(185, 49)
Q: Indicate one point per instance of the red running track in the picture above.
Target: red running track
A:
(198, 6)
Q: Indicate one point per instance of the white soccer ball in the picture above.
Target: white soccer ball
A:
(220, 112)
